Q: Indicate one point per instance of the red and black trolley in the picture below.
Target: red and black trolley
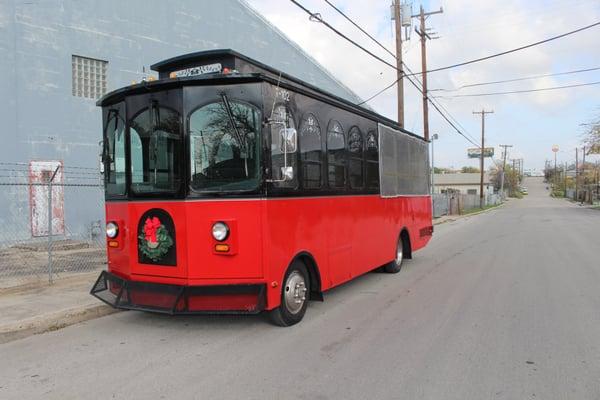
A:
(234, 188)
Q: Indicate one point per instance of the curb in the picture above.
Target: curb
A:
(53, 321)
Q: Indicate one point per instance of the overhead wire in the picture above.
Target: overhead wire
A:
(318, 18)
(515, 79)
(527, 46)
(519, 91)
(431, 101)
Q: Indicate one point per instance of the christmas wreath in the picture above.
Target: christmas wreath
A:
(154, 240)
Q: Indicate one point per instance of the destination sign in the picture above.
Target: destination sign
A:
(199, 70)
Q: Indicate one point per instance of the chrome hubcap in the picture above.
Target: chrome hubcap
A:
(295, 292)
(399, 255)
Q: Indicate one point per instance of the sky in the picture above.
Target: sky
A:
(467, 29)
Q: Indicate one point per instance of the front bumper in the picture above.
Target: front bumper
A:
(178, 299)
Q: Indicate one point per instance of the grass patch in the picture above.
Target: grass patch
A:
(516, 195)
(477, 209)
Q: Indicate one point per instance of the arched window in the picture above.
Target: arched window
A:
(372, 160)
(336, 160)
(310, 152)
(355, 158)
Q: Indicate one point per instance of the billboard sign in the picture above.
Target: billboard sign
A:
(475, 152)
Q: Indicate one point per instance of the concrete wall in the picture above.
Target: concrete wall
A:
(42, 120)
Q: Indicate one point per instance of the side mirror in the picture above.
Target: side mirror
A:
(288, 140)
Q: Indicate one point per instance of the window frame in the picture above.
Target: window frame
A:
(371, 160)
(180, 165)
(117, 111)
(100, 71)
(301, 158)
(344, 163)
(259, 145)
(360, 156)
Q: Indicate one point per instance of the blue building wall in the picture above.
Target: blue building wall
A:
(42, 120)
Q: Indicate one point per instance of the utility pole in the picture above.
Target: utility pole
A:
(576, 173)
(481, 163)
(554, 166)
(583, 173)
(522, 167)
(399, 66)
(565, 180)
(422, 32)
(505, 147)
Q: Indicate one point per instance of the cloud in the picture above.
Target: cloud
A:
(467, 30)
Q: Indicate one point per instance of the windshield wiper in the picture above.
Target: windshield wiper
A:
(235, 130)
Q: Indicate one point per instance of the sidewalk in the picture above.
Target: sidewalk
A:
(31, 310)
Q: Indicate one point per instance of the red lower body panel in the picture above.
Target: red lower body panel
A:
(176, 299)
(345, 236)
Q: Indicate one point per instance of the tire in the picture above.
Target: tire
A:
(294, 296)
(395, 266)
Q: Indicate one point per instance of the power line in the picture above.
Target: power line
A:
(510, 51)
(318, 18)
(359, 28)
(451, 124)
(470, 139)
(517, 79)
(519, 91)
(437, 106)
(378, 93)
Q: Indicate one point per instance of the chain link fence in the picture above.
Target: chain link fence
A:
(52, 220)
(456, 203)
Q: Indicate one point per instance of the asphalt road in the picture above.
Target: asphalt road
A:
(501, 305)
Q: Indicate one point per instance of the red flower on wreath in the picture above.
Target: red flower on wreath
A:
(150, 228)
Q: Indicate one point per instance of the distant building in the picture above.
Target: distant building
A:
(57, 57)
(468, 183)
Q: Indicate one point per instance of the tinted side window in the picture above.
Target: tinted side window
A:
(155, 140)
(336, 149)
(372, 160)
(310, 152)
(355, 159)
(114, 155)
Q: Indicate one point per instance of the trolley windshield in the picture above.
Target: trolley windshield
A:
(224, 146)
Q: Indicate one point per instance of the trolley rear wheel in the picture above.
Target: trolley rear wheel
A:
(396, 265)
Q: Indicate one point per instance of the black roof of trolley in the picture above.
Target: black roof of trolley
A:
(223, 65)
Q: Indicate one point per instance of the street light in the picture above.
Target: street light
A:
(433, 138)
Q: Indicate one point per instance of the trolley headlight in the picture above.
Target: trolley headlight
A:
(220, 231)
(112, 230)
